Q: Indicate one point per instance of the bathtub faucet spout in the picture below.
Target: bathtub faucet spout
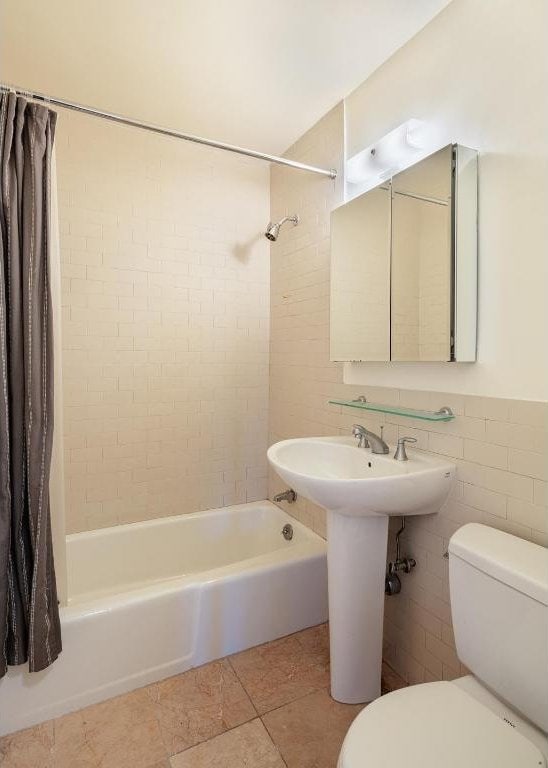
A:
(290, 496)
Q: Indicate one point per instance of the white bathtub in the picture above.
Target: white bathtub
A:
(150, 600)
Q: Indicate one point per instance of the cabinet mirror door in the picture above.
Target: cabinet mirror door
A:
(360, 278)
(404, 265)
(421, 296)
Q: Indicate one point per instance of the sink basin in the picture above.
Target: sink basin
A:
(360, 491)
(336, 474)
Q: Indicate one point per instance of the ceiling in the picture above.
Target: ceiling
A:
(257, 73)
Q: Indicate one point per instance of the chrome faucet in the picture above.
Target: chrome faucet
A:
(361, 433)
(290, 496)
(368, 438)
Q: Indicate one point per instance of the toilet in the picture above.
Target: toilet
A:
(497, 717)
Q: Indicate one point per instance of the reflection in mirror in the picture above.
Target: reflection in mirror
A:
(422, 260)
(404, 265)
(360, 278)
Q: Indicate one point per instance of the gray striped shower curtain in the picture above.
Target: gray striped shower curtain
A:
(29, 614)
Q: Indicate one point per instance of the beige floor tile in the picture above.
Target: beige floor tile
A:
(248, 746)
(202, 717)
(119, 733)
(309, 732)
(390, 680)
(30, 748)
(284, 670)
(199, 704)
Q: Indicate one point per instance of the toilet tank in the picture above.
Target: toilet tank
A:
(499, 602)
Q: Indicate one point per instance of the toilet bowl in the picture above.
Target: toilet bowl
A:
(442, 725)
(498, 716)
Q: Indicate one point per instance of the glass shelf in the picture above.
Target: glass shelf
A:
(444, 414)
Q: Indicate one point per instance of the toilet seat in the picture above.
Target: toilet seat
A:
(434, 725)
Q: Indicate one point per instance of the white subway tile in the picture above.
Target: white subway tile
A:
(485, 453)
(528, 463)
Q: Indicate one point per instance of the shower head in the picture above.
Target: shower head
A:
(273, 230)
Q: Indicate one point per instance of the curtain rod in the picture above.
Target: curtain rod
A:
(331, 173)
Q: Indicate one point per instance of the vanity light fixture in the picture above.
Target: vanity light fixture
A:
(400, 148)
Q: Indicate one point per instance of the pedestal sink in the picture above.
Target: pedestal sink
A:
(360, 491)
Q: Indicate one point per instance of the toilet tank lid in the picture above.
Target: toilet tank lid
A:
(509, 559)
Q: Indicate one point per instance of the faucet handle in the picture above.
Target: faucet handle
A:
(401, 453)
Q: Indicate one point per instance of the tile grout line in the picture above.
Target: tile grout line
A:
(297, 698)
(261, 716)
(232, 667)
(395, 671)
(272, 740)
(228, 730)
(231, 728)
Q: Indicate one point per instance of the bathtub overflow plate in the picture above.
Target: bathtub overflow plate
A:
(287, 531)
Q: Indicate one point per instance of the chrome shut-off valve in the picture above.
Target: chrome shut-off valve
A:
(392, 583)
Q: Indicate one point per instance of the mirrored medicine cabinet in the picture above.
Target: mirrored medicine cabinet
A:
(404, 265)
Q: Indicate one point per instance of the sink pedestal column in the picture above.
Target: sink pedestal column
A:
(356, 559)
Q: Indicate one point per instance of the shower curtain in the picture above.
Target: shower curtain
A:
(29, 615)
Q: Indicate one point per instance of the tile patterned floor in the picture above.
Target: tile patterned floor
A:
(268, 707)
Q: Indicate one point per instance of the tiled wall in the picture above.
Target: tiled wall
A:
(360, 278)
(301, 376)
(500, 446)
(420, 300)
(165, 329)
